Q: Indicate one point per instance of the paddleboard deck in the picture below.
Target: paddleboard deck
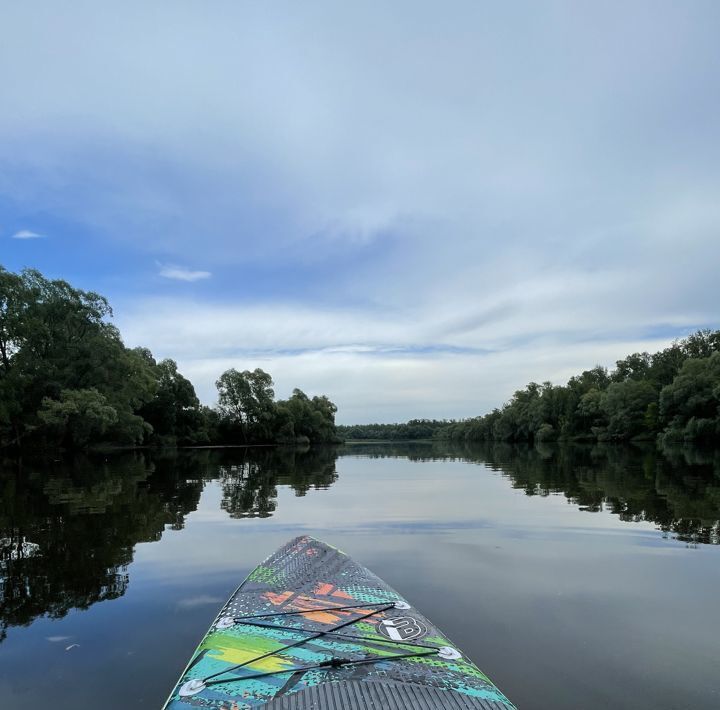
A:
(311, 628)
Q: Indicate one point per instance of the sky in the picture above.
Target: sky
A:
(414, 208)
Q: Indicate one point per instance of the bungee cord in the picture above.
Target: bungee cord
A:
(198, 684)
(314, 635)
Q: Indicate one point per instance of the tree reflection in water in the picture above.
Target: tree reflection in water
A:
(678, 489)
(68, 528)
(250, 484)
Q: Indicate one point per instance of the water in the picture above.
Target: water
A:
(574, 577)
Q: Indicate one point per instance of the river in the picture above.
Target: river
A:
(575, 577)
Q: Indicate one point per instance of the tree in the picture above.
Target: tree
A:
(672, 394)
(625, 404)
(701, 344)
(666, 364)
(633, 367)
(66, 378)
(589, 411)
(55, 339)
(246, 399)
(77, 417)
(323, 420)
(305, 419)
(690, 405)
(174, 411)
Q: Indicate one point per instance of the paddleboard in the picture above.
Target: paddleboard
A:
(312, 629)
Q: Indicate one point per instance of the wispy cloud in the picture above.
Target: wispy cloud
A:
(419, 232)
(27, 234)
(453, 361)
(180, 273)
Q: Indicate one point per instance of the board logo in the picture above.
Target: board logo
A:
(402, 628)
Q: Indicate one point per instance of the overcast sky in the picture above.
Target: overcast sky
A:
(412, 207)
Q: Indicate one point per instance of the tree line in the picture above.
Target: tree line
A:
(67, 380)
(414, 429)
(672, 396)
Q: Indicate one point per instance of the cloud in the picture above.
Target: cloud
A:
(339, 137)
(455, 360)
(422, 226)
(27, 234)
(180, 273)
(391, 387)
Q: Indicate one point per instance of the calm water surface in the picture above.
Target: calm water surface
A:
(574, 577)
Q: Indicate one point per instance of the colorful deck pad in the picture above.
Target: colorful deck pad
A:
(310, 618)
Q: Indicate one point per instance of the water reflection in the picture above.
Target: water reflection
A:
(68, 528)
(250, 477)
(67, 531)
(678, 489)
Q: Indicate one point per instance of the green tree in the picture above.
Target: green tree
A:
(672, 394)
(633, 367)
(174, 411)
(666, 364)
(15, 326)
(590, 413)
(247, 399)
(625, 405)
(690, 405)
(701, 344)
(77, 417)
(67, 378)
(55, 338)
(323, 420)
(311, 420)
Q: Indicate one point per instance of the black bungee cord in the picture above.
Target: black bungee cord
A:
(332, 632)
(315, 634)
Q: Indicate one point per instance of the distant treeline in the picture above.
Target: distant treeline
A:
(414, 429)
(672, 395)
(67, 379)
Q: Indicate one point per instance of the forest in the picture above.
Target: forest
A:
(671, 396)
(414, 429)
(67, 380)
